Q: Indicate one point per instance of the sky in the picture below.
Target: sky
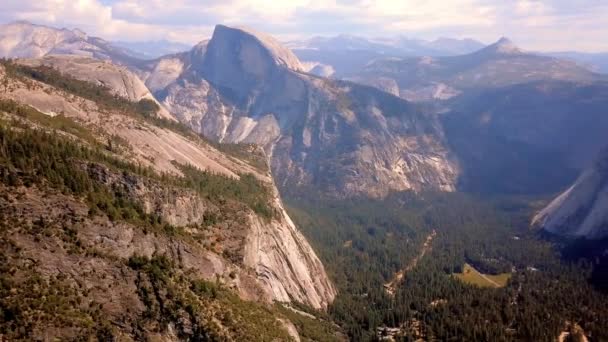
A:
(539, 25)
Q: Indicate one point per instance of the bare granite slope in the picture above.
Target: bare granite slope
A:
(285, 266)
(22, 39)
(341, 137)
(120, 80)
(581, 210)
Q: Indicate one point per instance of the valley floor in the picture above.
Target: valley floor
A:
(391, 287)
(472, 276)
(459, 283)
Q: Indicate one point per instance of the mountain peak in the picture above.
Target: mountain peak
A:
(241, 59)
(280, 54)
(80, 34)
(504, 46)
(504, 40)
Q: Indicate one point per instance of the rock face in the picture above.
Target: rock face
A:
(120, 80)
(284, 265)
(338, 136)
(256, 52)
(242, 61)
(22, 39)
(581, 210)
(159, 73)
(322, 70)
(498, 65)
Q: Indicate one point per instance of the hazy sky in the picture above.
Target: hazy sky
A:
(534, 25)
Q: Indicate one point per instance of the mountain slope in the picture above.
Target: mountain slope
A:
(159, 73)
(162, 148)
(498, 65)
(581, 210)
(118, 79)
(337, 136)
(532, 138)
(137, 186)
(22, 39)
(597, 62)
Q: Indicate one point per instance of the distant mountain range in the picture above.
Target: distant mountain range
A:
(597, 62)
(397, 46)
(342, 54)
(142, 187)
(346, 53)
(153, 49)
(244, 86)
(497, 65)
(491, 110)
(326, 52)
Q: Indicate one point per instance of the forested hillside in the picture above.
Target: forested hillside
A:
(428, 198)
(99, 240)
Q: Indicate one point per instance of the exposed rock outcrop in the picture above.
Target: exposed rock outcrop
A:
(341, 137)
(284, 265)
(22, 39)
(581, 210)
(83, 264)
(159, 73)
(120, 80)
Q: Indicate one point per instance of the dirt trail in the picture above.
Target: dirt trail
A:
(391, 287)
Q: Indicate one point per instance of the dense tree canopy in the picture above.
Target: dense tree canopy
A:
(365, 242)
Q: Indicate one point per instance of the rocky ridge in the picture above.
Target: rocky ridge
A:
(286, 268)
(22, 39)
(119, 79)
(498, 65)
(582, 209)
(342, 137)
